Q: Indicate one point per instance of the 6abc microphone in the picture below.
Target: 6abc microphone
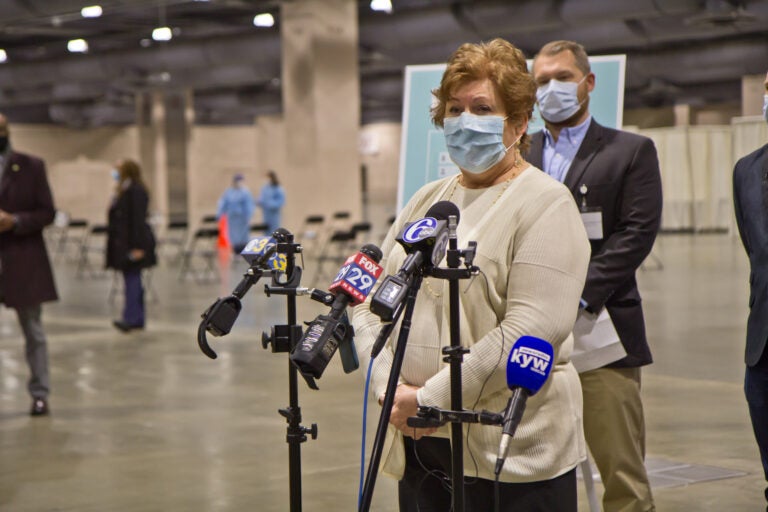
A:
(528, 366)
(425, 242)
(326, 333)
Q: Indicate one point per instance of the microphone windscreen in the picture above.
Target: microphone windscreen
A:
(282, 235)
(441, 210)
(529, 364)
(372, 251)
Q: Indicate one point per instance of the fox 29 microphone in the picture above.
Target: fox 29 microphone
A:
(528, 367)
(328, 332)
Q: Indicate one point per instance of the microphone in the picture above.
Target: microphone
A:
(260, 252)
(425, 242)
(261, 255)
(328, 332)
(528, 367)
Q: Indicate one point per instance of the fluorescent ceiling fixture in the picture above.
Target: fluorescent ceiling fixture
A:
(162, 34)
(381, 5)
(77, 45)
(264, 20)
(92, 11)
(3, 55)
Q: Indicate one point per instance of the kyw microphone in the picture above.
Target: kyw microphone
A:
(328, 332)
(528, 367)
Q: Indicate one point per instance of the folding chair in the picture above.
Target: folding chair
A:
(201, 246)
(175, 236)
(259, 229)
(342, 244)
(146, 280)
(310, 232)
(71, 235)
(94, 241)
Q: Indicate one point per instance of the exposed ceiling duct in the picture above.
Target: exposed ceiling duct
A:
(673, 53)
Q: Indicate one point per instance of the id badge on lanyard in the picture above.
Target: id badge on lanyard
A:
(591, 216)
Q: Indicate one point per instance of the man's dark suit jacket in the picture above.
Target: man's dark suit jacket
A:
(26, 277)
(750, 198)
(621, 173)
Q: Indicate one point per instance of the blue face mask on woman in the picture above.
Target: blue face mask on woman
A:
(558, 100)
(475, 143)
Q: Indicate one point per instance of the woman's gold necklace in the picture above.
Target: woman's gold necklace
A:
(516, 169)
(515, 173)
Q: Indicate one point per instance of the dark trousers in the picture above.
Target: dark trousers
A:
(133, 309)
(35, 349)
(756, 391)
(425, 486)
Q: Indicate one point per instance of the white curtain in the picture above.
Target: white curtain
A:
(697, 168)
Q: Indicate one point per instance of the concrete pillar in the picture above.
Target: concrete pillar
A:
(159, 184)
(321, 106)
(164, 120)
(752, 92)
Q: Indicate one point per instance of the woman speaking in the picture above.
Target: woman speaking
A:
(532, 251)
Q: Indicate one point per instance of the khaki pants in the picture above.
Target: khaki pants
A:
(614, 427)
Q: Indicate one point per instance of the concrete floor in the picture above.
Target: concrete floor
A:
(145, 422)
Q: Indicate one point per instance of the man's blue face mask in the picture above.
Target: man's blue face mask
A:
(558, 101)
(475, 143)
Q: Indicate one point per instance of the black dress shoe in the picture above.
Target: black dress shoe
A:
(125, 327)
(39, 407)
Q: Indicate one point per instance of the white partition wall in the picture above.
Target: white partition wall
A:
(696, 171)
(676, 179)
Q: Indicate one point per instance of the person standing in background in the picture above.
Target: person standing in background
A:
(237, 204)
(130, 242)
(271, 200)
(26, 277)
(750, 199)
(615, 175)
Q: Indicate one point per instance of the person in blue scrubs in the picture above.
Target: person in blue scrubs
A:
(237, 204)
(271, 200)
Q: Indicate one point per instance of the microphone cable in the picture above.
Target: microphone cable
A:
(365, 421)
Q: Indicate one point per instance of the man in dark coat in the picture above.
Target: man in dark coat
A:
(750, 198)
(26, 278)
(615, 179)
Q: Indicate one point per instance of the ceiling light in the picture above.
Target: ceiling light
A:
(162, 34)
(77, 45)
(382, 5)
(3, 55)
(92, 11)
(264, 20)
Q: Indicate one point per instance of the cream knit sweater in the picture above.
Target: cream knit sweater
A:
(533, 251)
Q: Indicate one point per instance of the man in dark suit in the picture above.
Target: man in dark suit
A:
(750, 198)
(26, 278)
(614, 178)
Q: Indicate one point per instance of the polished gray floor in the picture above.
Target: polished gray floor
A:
(145, 422)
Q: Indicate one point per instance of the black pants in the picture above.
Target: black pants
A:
(428, 490)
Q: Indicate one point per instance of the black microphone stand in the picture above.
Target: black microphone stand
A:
(283, 339)
(454, 354)
(389, 396)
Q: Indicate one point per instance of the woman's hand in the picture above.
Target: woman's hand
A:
(406, 405)
(135, 254)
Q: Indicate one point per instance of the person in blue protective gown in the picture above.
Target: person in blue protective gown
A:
(271, 200)
(237, 204)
